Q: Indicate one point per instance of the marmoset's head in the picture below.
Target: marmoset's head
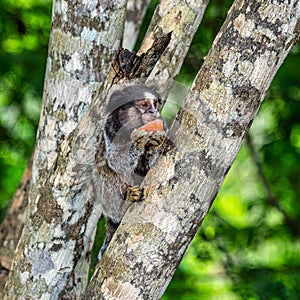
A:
(132, 107)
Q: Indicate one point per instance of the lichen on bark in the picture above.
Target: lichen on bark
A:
(217, 114)
(54, 250)
(53, 253)
(182, 18)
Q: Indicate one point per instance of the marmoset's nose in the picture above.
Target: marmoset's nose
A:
(151, 110)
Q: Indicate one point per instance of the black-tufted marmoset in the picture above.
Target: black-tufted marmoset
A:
(134, 133)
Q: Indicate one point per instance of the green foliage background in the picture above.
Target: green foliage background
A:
(248, 246)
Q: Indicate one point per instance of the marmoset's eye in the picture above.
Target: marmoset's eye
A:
(144, 104)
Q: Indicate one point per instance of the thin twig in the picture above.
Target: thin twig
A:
(291, 222)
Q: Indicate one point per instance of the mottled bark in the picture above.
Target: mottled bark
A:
(52, 258)
(168, 19)
(12, 226)
(182, 18)
(16, 215)
(220, 107)
(135, 12)
(93, 71)
(53, 254)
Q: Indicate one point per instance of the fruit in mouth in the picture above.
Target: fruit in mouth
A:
(156, 125)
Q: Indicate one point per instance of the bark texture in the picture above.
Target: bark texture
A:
(222, 103)
(182, 18)
(16, 216)
(66, 161)
(52, 258)
(135, 12)
(12, 226)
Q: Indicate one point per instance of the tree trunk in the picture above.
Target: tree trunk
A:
(57, 240)
(182, 18)
(52, 258)
(16, 216)
(207, 135)
(135, 12)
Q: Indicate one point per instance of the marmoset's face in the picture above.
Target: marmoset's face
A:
(149, 109)
(140, 112)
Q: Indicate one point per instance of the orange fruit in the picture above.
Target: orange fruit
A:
(156, 125)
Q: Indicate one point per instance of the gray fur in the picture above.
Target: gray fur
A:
(128, 155)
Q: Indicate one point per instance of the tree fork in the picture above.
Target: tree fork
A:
(67, 177)
(227, 92)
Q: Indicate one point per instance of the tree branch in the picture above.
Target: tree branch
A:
(135, 12)
(52, 241)
(12, 225)
(292, 223)
(154, 235)
(182, 18)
